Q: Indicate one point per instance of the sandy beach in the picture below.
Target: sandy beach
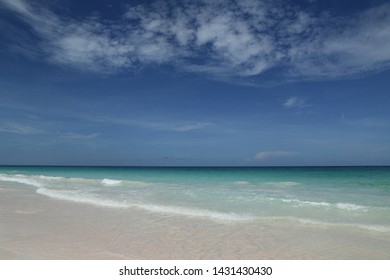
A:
(36, 227)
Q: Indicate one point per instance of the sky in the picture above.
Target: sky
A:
(195, 83)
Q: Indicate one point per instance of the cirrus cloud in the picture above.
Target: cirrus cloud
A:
(273, 154)
(295, 102)
(243, 39)
(17, 128)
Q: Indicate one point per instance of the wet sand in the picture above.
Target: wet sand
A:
(36, 227)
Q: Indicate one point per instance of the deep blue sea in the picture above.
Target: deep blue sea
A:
(335, 196)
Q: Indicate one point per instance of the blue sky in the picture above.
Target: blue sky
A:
(183, 83)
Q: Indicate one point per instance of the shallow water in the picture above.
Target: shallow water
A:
(355, 197)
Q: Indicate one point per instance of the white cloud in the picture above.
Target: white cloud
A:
(347, 47)
(301, 23)
(372, 122)
(11, 127)
(221, 38)
(77, 136)
(166, 125)
(295, 102)
(19, 6)
(273, 154)
(184, 127)
(172, 126)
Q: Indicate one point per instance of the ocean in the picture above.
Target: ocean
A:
(354, 197)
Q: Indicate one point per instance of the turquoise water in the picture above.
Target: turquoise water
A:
(334, 196)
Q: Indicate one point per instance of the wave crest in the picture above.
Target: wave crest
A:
(111, 182)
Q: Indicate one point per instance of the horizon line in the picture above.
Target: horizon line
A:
(189, 166)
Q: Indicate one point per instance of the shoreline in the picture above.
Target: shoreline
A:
(33, 226)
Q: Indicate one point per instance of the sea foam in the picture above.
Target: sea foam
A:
(27, 180)
(340, 206)
(111, 182)
(305, 221)
(87, 198)
(282, 184)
